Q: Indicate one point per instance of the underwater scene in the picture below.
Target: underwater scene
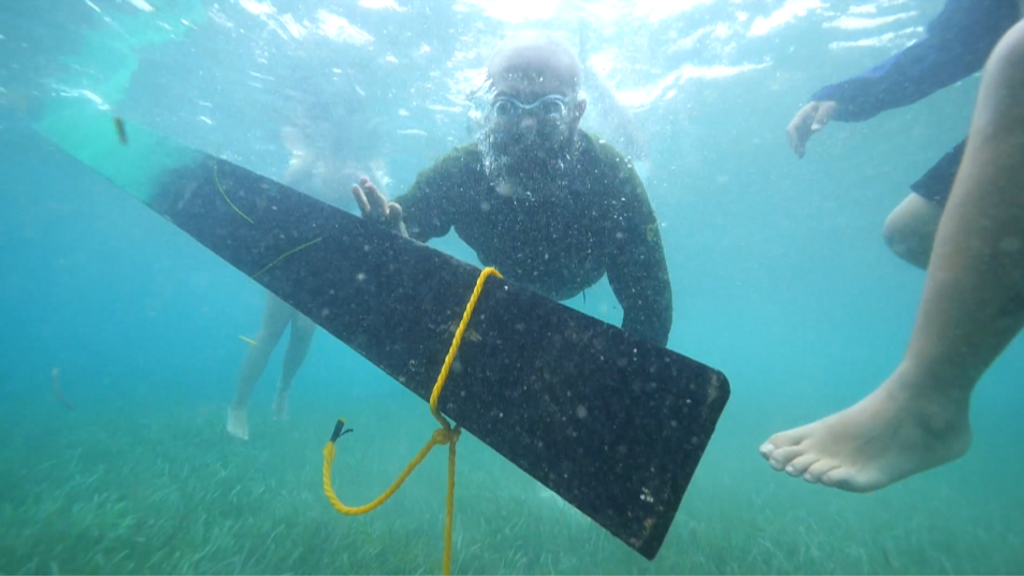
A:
(758, 280)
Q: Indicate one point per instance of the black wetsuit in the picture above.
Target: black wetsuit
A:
(557, 243)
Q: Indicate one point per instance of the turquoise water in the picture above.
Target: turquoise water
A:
(781, 281)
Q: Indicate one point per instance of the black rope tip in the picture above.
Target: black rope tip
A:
(339, 430)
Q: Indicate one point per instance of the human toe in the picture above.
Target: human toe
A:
(820, 467)
(801, 464)
(782, 457)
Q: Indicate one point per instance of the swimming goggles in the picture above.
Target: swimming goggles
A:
(552, 105)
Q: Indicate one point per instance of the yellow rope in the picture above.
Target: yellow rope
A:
(446, 434)
(216, 180)
(287, 254)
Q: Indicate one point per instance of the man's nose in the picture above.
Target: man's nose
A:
(528, 123)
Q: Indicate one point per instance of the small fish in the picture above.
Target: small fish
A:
(122, 134)
(248, 341)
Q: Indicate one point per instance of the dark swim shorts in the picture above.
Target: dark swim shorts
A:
(937, 182)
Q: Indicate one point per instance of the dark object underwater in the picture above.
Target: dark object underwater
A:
(612, 424)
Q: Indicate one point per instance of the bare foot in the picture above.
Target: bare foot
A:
(281, 406)
(238, 423)
(894, 433)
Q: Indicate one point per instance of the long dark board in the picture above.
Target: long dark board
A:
(612, 424)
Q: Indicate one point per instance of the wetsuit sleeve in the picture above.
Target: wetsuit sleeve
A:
(956, 45)
(637, 270)
(426, 208)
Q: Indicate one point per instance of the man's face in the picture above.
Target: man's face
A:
(531, 114)
(531, 130)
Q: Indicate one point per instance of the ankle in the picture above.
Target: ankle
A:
(932, 382)
(937, 407)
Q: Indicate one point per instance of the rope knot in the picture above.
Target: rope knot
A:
(443, 436)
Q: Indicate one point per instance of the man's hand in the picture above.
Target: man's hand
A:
(376, 207)
(808, 121)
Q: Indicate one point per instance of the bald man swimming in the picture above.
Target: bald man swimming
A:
(538, 198)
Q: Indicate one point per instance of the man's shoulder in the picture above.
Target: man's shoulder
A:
(600, 148)
(606, 161)
(460, 165)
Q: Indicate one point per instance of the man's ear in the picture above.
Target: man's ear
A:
(581, 107)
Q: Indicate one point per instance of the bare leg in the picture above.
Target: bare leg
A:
(973, 306)
(298, 346)
(276, 316)
(910, 229)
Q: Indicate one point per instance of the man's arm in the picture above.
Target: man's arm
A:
(427, 208)
(637, 270)
(957, 43)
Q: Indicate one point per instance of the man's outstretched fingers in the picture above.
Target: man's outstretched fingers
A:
(797, 131)
(822, 116)
(360, 197)
(394, 213)
(378, 203)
